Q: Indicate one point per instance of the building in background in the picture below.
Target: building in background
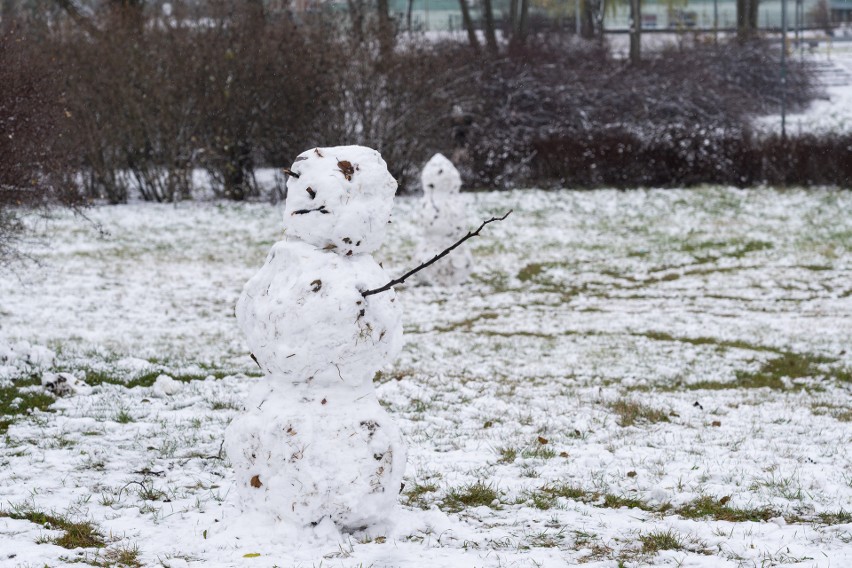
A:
(445, 15)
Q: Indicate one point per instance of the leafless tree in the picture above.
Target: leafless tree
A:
(467, 22)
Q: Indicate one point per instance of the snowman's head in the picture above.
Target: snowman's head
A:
(339, 199)
(440, 177)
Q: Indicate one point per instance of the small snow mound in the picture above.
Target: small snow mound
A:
(166, 386)
(23, 358)
(658, 495)
(64, 384)
(134, 364)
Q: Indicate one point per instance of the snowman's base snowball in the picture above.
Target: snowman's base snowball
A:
(341, 459)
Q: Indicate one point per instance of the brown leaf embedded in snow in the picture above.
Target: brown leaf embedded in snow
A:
(255, 482)
(346, 169)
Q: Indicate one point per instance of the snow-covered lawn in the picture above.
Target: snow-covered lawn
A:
(636, 378)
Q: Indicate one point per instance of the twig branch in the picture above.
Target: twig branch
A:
(434, 259)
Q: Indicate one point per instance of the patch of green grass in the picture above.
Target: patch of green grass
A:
(750, 246)
(530, 271)
(841, 413)
(547, 538)
(467, 323)
(473, 495)
(841, 374)
(99, 377)
(656, 541)
(539, 499)
(415, 497)
(733, 249)
(538, 451)
(730, 344)
(223, 405)
(124, 556)
(568, 492)
(630, 412)
(718, 509)
(418, 406)
(772, 373)
(124, 417)
(791, 365)
(127, 556)
(547, 497)
(507, 455)
(75, 534)
(382, 377)
(702, 507)
(701, 246)
(15, 401)
(611, 501)
(841, 517)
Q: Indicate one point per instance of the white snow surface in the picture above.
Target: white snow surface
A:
(579, 304)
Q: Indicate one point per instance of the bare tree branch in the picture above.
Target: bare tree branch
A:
(434, 259)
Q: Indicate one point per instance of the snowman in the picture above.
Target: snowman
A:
(313, 444)
(443, 219)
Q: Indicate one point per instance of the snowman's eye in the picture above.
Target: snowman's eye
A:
(321, 209)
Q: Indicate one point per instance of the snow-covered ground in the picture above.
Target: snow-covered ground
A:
(655, 378)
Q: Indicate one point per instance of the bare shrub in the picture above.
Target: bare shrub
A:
(134, 106)
(401, 103)
(229, 87)
(589, 120)
(32, 166)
